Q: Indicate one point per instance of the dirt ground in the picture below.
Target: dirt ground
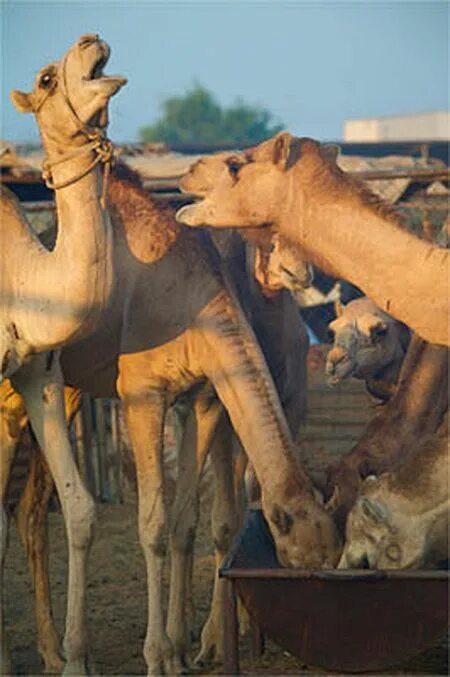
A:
(117, 601)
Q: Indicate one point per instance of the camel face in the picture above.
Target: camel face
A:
(73, 92)
(305, 534)
(223, 181)
(379, 536)
(365, 341)
(279, 267)
(401, 518)
(249, 189)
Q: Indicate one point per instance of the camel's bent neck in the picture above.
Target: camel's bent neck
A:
(351, 239)
(67, 289)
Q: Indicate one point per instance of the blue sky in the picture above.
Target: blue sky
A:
(312, 64)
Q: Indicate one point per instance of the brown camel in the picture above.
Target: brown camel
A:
(149, 358)
(296, 186)
(401, 518)
(368, 344)
(415, 411)
(52, 298)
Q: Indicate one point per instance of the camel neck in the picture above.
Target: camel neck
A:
(349, 239)
(73, 282)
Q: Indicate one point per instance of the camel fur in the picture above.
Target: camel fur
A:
(401, 518)
(192, 332)
(415, 411)
(52, 298)
(368, 344)
(294, 186)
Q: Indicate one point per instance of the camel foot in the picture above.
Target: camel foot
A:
(163, 660)
(211, 648)
(52, 656)
(53, 664)
(76, 667)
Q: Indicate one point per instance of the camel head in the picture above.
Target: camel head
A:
(378, 536)
(365, 342)
(70, 97)
(251, 188)
(278, 267)
(304, 532)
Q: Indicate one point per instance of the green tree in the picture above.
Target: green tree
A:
(197, 117)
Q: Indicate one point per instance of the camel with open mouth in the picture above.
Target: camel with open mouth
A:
(51, 298)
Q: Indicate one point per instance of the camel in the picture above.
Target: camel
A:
(295, 186)
(368, 344)
(180, 343)
(415, 411)
(401, 518)
(52, 298)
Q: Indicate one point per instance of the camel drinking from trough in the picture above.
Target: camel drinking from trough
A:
(52, 298)
(401, 518)
(192, 331)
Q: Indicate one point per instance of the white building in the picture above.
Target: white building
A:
(431, 126)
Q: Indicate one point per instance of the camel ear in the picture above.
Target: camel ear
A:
(331, 151)
(22, 102)
(374, 510)
(338, 307)
(287, 150)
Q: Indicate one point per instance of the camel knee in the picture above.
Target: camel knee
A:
(222, 534)
(183, 536)
(184, 526)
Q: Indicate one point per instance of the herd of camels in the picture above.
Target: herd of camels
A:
(130, 303)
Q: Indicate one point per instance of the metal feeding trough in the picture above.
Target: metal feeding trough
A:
(339, 620)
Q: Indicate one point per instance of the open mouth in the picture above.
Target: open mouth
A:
(97, 68)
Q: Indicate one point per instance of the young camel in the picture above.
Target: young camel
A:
(368, 344)
(401, 518)
(184, 340)
(52, 298)
(295, 186)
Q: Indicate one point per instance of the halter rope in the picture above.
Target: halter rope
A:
(98, 142)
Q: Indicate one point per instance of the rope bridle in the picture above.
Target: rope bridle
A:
(97, 142)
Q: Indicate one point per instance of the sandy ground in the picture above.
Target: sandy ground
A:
(117, 601)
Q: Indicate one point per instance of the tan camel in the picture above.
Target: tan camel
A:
(368, 344)
(52, 298)
(296, 186)
(183, 341)
(401, 518)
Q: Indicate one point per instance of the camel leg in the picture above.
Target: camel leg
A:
(198, 433)
(5, 660)
(32, 523)
(40, 384)
(224, 523)
(145, 413)
(12, 420)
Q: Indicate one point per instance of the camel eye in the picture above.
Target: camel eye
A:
(393, 552)
(234, 167)
(378, 332)
(46, 81)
